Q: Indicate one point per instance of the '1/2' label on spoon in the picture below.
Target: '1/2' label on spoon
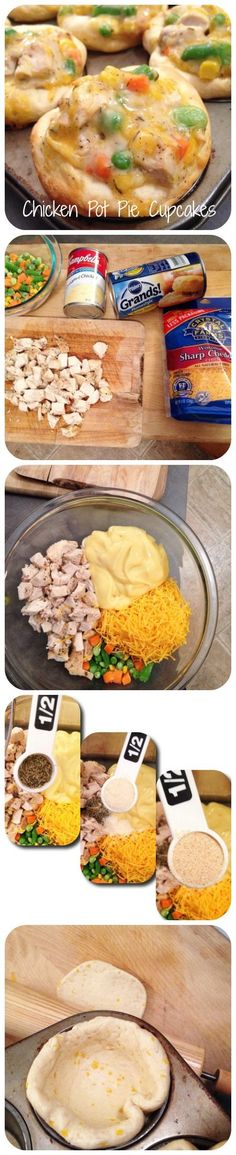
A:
(134, 748)
(45, 711)
(176, 787)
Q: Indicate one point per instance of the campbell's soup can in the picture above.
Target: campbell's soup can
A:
(158, 284)
(85, 290)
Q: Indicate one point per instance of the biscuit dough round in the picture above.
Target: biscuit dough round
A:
(193, 26)
(39, 60)
(122, 31)
(77, 162)
(95, 1083)
(96, 985)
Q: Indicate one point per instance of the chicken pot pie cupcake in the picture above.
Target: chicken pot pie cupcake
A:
(127, 137)
(42, 64)
(107, 27)
(33, 13)
(197, 41)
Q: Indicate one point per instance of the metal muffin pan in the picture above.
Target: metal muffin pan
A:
(189, 1110)
(16, 1127)
(214, 184)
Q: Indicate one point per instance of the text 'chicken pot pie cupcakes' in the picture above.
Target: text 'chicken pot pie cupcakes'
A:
(33, 13)
(197, 41)
(94, 1084)
(41, 64)
(107, 27)
(130, 137)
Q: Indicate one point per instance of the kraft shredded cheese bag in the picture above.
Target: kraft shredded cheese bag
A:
(198, 348)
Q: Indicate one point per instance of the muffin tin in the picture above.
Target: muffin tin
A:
(189, 1110)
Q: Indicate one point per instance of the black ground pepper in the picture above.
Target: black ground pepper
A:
(35, 770)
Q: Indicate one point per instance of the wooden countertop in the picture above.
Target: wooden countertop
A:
(185, 970)
(156, 423)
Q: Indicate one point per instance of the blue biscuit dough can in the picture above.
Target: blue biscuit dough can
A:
(157, 284)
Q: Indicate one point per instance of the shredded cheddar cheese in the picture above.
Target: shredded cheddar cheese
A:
(211, 902)
(153, 627)
(133, 856)
(60, 820)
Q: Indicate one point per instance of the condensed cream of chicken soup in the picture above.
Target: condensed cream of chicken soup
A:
(85, 290)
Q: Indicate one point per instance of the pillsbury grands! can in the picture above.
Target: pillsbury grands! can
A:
(170, 281)
(85, 290)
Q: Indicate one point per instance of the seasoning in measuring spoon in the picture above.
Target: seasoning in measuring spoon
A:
(35, 771)
(197, 859)
(119, 794)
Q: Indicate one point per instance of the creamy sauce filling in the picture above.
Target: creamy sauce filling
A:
(125, 562)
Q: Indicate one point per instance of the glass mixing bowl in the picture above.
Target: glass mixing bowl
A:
(27, 666)
(48, 249)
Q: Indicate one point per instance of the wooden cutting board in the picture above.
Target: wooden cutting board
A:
(146, 479)
(186, 972)
(117, 423)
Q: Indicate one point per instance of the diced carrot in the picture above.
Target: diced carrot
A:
(108, 648)
(100, 167)
(40, 829)
(126, 679)
(164, 902)
(93, 849)
(176, 914)
(31, 817)
(86, 665)
(94, 639)
(138, 664)
(113, 675)
(138, 83)
(102, 861)
(181, 147)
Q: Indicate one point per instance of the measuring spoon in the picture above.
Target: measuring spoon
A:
(181, 802)
(41, 732)
(128, 766)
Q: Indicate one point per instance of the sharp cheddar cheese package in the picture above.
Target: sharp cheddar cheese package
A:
(198, 349)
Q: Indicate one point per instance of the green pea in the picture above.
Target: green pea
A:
(218, 19)
(218, 50)
(113, 10)
(70, 66)
(113, 660)
(106, 30)
(172, 18)
(144, 70)
(189, 116)
(122, 159)
(110, 120)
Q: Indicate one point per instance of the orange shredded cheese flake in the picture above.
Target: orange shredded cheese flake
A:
(60, 821)
(132, 855)
(153, 627)
(212, 902)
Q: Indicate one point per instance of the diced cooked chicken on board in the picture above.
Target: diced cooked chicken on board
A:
(59, 386)
(60, 601)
